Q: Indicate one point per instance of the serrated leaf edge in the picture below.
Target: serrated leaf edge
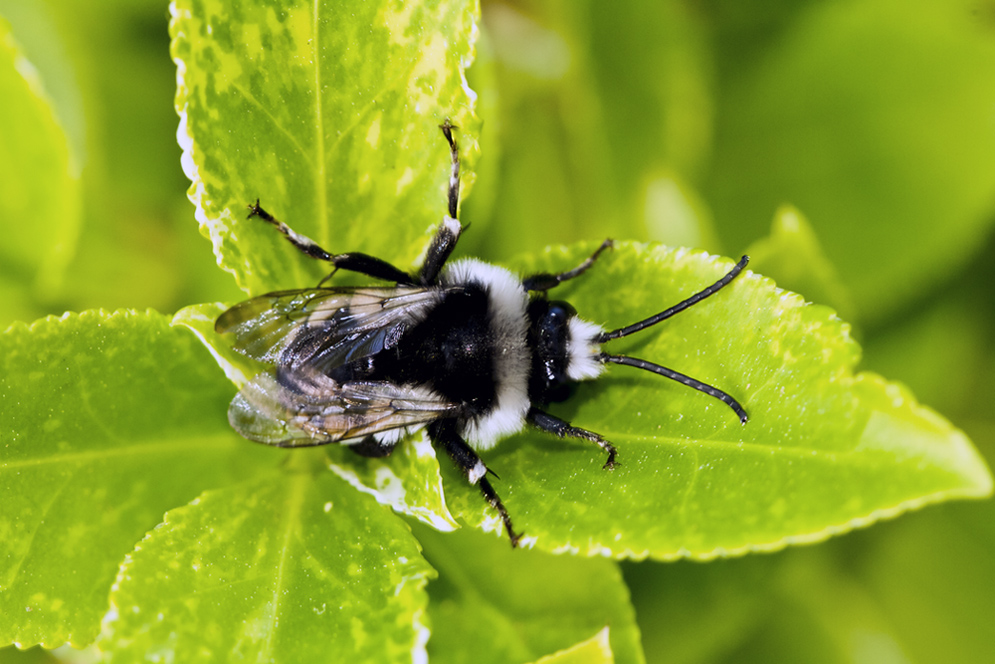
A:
(420, 626)
(214, 229)
(983, 489)
(86, 315)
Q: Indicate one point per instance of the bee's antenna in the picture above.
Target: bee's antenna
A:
(680, 378)
(677, 308)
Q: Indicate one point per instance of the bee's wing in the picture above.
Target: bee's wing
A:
(324, 327)
(289, 408)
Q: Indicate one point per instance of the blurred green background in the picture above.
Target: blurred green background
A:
(848, 146)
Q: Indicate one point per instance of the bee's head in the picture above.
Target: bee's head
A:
(564, 347)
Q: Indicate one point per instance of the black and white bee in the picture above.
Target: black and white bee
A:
(465, 349)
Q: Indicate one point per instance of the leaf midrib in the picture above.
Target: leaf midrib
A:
(321, 174)
(161, 447)
(295, 500)
(635, 438)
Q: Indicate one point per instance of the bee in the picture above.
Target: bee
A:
(465, 349)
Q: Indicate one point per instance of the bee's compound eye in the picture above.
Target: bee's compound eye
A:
(560, 311)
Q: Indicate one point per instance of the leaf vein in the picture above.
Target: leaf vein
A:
(16, 568)
(276, 123)
(322, 183)
(735, 444)
(164, 447)
(689, 489)
(294, 503)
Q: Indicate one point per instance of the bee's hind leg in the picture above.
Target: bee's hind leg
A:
(444, 434)
(372, 447)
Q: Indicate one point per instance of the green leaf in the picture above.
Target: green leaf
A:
(37, 26)
(199, 319)
(595, 650)
(106, 421)
(851, 597)
(293, 567)
(481, 613)
(105, 68)
(658, 77)
(825, 450)
(875, 119)
(39, 183)
(792, 256)
(36, 655)
(944, 350)
(408, 481)
(328, 112)
(694, 614)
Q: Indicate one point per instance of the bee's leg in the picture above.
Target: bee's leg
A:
(449, 230)
(444, 434)
(371, 266)
(544, 280)
(447, 131)
(372, 447)
(546, 422)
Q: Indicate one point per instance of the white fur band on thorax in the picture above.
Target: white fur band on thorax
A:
(509, 327)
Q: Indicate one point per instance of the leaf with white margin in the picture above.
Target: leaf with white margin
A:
(199, 319)
(329, 113)
(107, 420)
(826, 449)
(408, 481)
(294, 567)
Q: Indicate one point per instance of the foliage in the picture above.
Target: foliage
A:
(133, 517)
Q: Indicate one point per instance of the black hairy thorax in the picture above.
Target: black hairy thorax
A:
(451, 351)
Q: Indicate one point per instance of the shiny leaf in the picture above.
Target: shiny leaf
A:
(328, 113)
(106, 421)
(294, 567)
(826, 449)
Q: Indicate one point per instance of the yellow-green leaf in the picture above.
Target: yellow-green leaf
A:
(826, 448)
(294, 567)
(106, 422)
(328, 112)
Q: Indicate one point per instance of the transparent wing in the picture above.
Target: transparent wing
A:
(290, 408)
(324, 327)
